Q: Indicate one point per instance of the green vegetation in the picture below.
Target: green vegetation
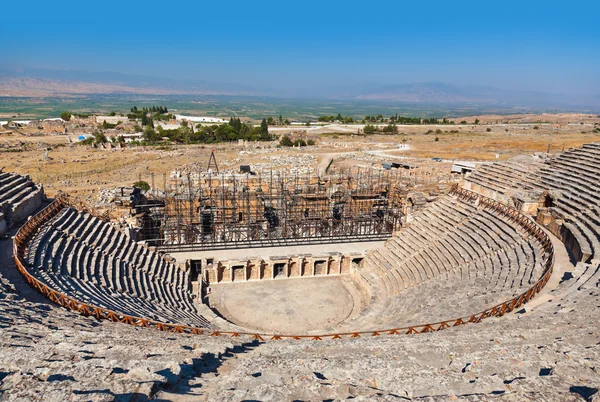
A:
(108, 126)
(369, 129)
(287, 142)
(244, 106)
(438, 132)
(488, 130)
(66, 116)
(339, 118)
(87, 141)
(232, 131)
(536, 127)
(147, 115)
(142, 185)
(395, 119)
(279, 122)
(390, 129)
(99, 137)
(117, 140)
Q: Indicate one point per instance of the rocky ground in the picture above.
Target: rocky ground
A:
(548, 353)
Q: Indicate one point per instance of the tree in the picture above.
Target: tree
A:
(390, 128)
(142, 185)
(264, 127)
(285, 141)
(150, 135)
(99, 137)
(369, 129)
(286, 122)
(108, 126)
(270, 121)
(280, 120)
(476, 121)
(66, 116)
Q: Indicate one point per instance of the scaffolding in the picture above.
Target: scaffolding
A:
(206, 210)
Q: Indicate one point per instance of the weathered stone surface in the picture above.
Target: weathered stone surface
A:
(547, 351)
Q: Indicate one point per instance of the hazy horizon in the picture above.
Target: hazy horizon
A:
(317, 48)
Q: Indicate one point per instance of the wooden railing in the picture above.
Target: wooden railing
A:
(27, 231)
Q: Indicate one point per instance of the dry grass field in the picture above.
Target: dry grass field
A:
(83, 170)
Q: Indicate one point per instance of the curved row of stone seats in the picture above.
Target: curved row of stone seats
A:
(48, 353)
(83, 257)
(573, 179)
(542, 354)
(451, 252)
(6, 288)
(483, 283)
(578, 289)
(504, 178)
(19, 197)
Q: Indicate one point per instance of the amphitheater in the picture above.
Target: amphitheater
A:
(489, 292)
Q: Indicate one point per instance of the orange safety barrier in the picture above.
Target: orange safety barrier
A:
(26, 232)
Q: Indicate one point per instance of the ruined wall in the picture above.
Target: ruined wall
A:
(280, 267)
(488, 193)
(27, 206)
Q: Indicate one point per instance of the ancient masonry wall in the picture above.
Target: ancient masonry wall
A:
(28, 206)
(280, 267)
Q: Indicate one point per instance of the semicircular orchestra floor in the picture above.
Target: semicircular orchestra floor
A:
(286, 306)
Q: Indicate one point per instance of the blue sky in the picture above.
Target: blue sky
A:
(304, 46)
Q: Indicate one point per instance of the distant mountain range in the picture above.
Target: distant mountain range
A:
(47, 82)
(439, 93)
